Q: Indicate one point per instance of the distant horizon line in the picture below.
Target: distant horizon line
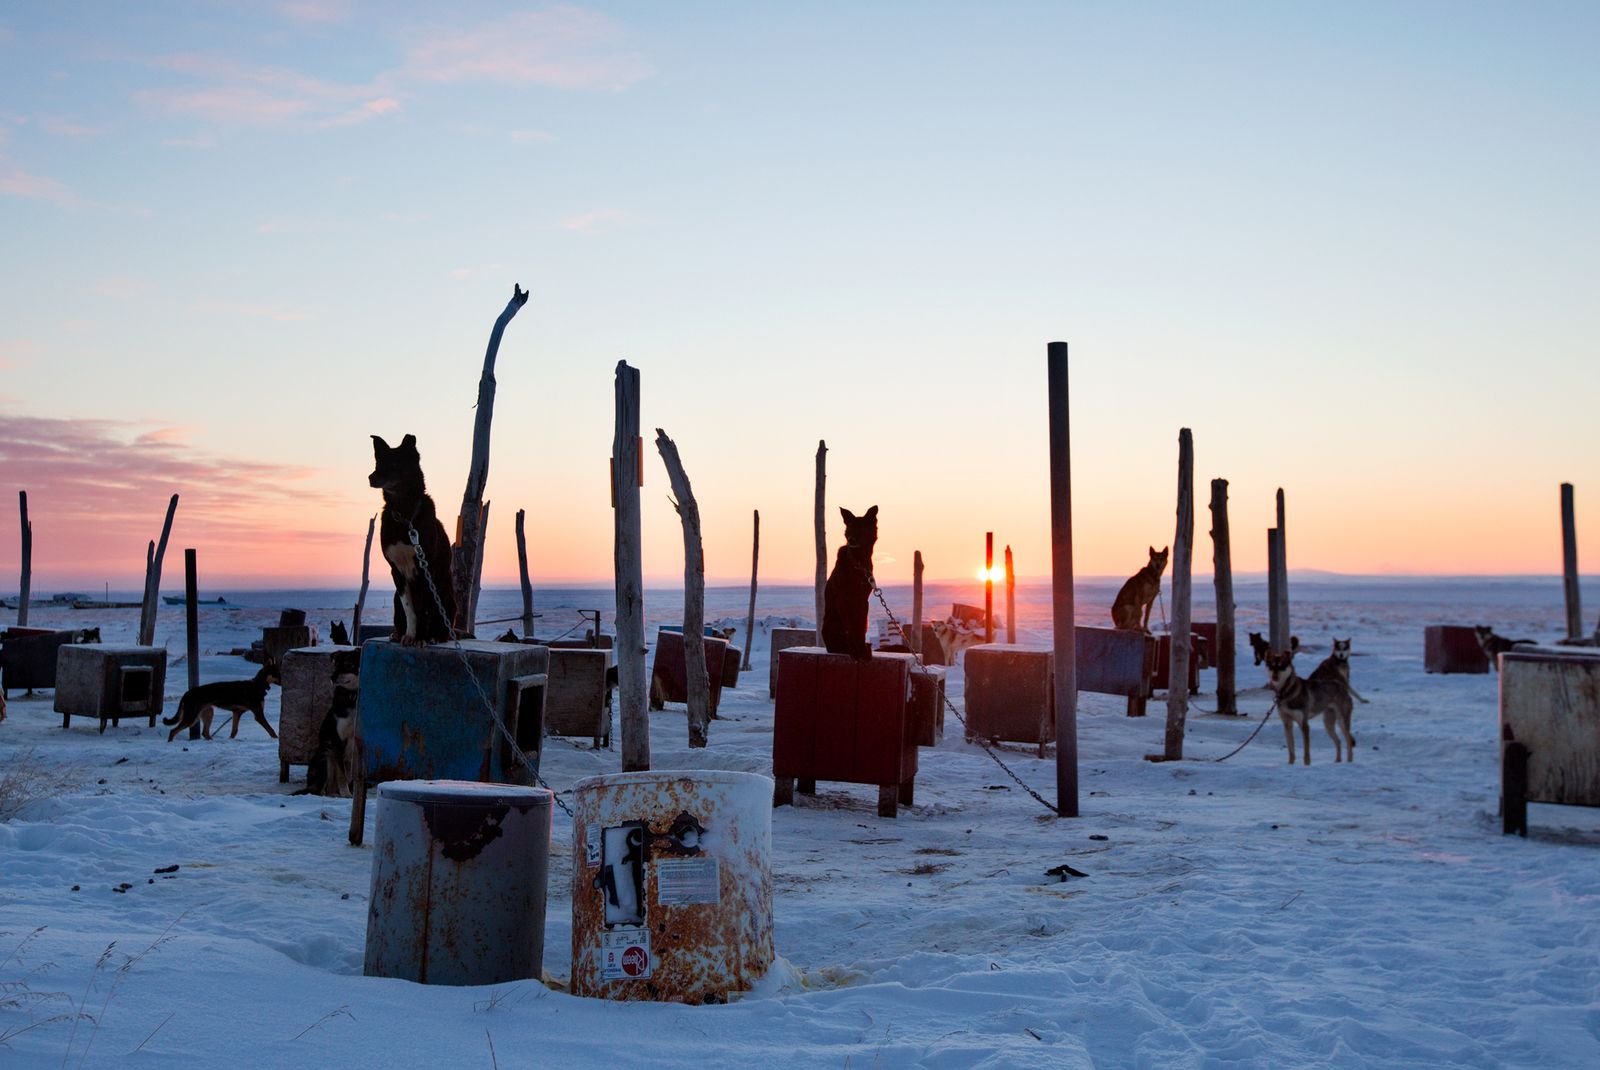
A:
(719, 583)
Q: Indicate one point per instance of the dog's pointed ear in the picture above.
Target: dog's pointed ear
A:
(379, 445)
(849, 517)
(409, 442)
(872, 514)
(1152, 551)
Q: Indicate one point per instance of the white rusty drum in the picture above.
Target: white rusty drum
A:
(671, 885)
(459, 873)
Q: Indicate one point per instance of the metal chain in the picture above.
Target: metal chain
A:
(1046, 803)
(500, 725)
(1252, 735)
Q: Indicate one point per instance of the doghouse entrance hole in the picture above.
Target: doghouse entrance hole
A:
(525, 704)
(134, 687)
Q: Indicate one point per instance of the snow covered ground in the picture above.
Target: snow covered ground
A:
(1244, 913)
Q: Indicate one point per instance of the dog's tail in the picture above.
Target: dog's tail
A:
(1356, 695)
(177, 715)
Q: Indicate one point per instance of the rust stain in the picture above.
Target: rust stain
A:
(462, 832)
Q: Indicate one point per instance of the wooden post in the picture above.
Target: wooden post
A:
(694, 593)
(152, 579)
(191, 625)
(527, 587)
(1275, 625)
(1011, 598)
(626, 458)
(1062, 610)
(821, 532)
(25, 592)
(750, 619)
(1182, 568)
(914, 640)
(1280, 639)
(988, 587)
(1222, 575)
(1569, 563)
(361, 596)
(466, 555)
(477, 565)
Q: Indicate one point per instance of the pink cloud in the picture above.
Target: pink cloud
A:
(246, 94)
(16, 182)
(66, 128)
(124, 287)
(564, 47)
(97, 490)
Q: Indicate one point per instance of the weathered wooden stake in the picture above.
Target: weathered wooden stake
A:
(750, 619)
(361, 595)
(477, 565)
(914, 640)
(527, 587)
(1280, 639)
(821, 531)
(1222, 576)
(1062, 610)
(988, 587)
(1569, 563)
(152, 579)
(1182, 569)
(1011, 599)
(694, 593)
(1275, 625)
(191, 625)
(467, 552)
(633, 710)
(25, 592)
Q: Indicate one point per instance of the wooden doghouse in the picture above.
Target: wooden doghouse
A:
(925, 703)
(1011, 695)
(1161, 676)
(1549, 732)
(109, 683)
(669, 677)
(424, 718)
(1205, 653)
(278, 641)
(843, 719)
(783, 639)
(578, 702)
(1116, 661)
(1452, 648)
(306, 691)
(28, 657)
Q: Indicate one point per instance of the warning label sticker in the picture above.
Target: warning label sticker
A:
(682, 881)
(591, 846)
(624, 955)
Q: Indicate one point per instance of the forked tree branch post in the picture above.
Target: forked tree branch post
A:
(152, 579)
(629, 574)
(477, 563)
(25, 592)
(821, 532)
(694, 593)
(1222, 576)
(750, 619)
(1182, 591)
(361, 595)
(467, 552)
(527, 587)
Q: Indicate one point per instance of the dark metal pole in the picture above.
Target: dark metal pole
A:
(1062, 617)
(191, 630)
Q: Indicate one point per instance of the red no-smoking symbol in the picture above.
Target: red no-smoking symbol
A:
(635, 960)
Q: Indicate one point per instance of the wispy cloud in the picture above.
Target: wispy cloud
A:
(565, 47)
(246, 94)
(317, 12)
(249, 310)
(14, 351)
(100, 483)
(599, 219)
(124, 287)
(17, 182)
(60, 127)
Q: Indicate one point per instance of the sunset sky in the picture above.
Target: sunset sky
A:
(1355, 247)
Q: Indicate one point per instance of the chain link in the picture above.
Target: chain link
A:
(1046, 803)
(499, 723)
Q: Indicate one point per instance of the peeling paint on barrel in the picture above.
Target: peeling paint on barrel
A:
(458, 882)
(700, 952)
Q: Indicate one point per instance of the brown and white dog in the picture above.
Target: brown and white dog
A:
(1336, 666)
(1494, 645)
(235, 696)
(1299, 700)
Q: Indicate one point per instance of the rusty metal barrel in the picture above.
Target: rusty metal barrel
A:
(459, 874)
(671, 885)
